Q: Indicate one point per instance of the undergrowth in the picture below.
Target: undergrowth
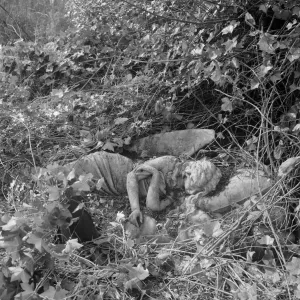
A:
(125, 70)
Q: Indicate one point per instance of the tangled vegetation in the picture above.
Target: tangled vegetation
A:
(96, 75)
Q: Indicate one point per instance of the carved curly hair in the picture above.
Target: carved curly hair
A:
(201, 176)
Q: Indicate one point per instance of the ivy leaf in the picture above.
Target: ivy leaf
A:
(230, 27)
(37, 241)
(249, 19)
(100, 183)
(227, 104)
(235, 62)
(230, 44)
(127, 140)
(296, 11)
(294, 266)
(28, 292)
(79, 207)
(49, 294)
(296, 128)
(212, 229)
(266, 240)
(288, 165)
(266, 44)
(53, 193)
(294, 54)
(132, 283)
(220, 135)
(138, 272)
(263, 8)
(263, 70)
(109, 146)
(275, 77)
(71, 175)
(81, 186)
(120, 121)
(197, 51)
(278, 151)
(57, 93)
(254, 83)
(71, 245)
(12, 224)
(60, 293)
(16, 273)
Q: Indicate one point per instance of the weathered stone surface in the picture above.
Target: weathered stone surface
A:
(243, 185)
(174, 143)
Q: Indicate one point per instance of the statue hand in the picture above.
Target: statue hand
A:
(147, 169)
(136, 217)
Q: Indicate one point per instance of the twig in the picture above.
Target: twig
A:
(179, 20)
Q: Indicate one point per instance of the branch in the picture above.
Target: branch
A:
(28, 36)
(178, 20)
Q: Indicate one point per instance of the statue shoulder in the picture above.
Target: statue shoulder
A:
(164, 164)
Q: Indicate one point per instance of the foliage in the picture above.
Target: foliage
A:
(122, 69)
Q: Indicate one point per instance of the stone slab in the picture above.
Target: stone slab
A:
(175, 143)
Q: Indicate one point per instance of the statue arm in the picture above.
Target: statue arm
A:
(132, 185)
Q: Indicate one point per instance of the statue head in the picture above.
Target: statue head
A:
(200, 176)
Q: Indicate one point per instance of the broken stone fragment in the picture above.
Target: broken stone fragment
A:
(176, 143)
(243, 185)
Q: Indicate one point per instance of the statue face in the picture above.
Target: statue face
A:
(200, 176)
